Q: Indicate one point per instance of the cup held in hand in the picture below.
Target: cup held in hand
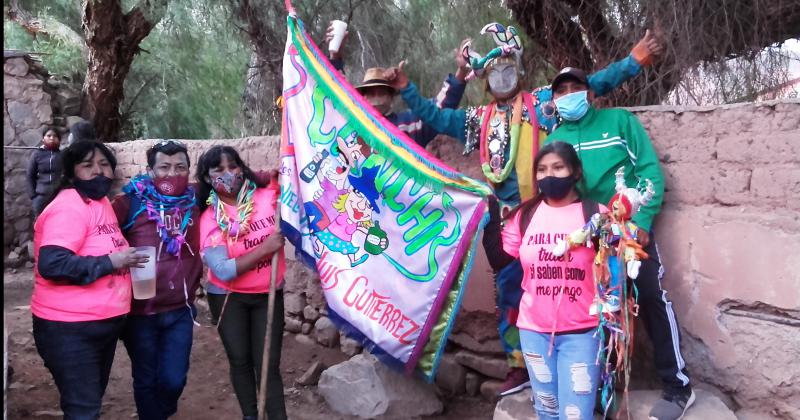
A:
(339, 29)
(144, 279)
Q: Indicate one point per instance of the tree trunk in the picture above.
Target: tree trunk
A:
(262, 87)
(592, 33)
(113, 38)
(261, 23)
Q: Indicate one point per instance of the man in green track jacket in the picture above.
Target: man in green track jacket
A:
(607, 139)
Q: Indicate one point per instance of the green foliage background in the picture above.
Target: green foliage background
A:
(189, 78)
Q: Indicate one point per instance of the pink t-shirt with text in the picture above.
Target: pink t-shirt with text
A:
(261, 225)
(557, 291)
(87, 228)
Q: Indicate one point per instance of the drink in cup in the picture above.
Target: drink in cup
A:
(144, 279)
(339, 29)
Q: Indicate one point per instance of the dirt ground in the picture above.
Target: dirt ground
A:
(208, 394)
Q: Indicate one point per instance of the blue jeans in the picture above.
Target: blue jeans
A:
(79, 356)
(564, 382)
(159, 346)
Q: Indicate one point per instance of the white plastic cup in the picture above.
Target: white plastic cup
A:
(339, 28)
(144, 279)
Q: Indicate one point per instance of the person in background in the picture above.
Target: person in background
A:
(557, 334)
(81, 130)
(44, 169)
(82, 288)
(607, 140)
(159, 209)
(238, 237)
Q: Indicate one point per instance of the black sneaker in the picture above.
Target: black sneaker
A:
(673, 404)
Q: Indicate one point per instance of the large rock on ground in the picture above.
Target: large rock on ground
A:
(489, 366)
(706, 406)
(326, 333)
(364, 387)
(450, 375)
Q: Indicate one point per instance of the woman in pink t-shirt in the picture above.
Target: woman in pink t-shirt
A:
(238, 236)
(82, 290)
(556, 331)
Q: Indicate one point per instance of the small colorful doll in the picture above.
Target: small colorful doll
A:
(616, 236)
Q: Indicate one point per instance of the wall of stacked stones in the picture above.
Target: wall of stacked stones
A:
(728, 236)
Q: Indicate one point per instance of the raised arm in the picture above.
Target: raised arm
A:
(604, 81)
(445, 121)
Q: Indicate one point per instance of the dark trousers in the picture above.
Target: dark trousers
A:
(659, 319)
(37, 203)
(159, 346)
(79, 356)
(242, 329)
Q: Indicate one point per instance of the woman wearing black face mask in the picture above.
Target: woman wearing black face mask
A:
(82, 290)
(557, 333)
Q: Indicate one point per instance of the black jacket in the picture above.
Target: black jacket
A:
(44, 171)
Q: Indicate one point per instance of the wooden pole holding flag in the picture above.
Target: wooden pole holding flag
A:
(262, 390)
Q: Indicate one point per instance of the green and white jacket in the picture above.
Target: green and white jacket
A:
(606, 139)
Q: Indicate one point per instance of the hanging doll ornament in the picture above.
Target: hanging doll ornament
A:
(618, 251)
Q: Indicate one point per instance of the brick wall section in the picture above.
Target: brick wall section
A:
(728, 236)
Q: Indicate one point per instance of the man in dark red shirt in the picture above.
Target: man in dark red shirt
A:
(159, 209)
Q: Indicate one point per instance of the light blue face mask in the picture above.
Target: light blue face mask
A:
(573, 107)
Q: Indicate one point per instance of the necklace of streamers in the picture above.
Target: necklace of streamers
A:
(493, 142)
(157, 206)
(244, 209)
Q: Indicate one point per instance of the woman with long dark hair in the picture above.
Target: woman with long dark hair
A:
(557, 332)
(82, 290)
(238, 236)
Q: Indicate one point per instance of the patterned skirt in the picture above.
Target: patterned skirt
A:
(335, 244)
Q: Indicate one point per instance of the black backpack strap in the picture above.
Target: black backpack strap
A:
(526, 216)
(590, 207)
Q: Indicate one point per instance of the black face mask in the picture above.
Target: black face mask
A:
(95, 188)
(556, 187)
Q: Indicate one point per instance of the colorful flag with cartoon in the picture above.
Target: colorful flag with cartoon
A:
(390, 229)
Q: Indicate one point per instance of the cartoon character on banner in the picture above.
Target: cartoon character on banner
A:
(340, 217)
(331, 168)
(617, 237)
(351, 230)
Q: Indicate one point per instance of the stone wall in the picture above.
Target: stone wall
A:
(731, 209)
(32, 100)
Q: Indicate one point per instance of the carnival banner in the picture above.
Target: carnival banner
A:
(390, 229)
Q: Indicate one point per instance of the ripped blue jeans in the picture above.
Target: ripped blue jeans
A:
(564, 382)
